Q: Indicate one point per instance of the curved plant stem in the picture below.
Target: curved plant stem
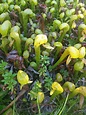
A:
(57, 52)
(38, 107)
(60, 60)
(16, 99)
(14, 107)
(72, 51)
(57, 7)
(39, 40)
(33, 7)
(64, 105)
(61, 37)
(58, 47)
(74, 103)
(37, 52)
(17, 40)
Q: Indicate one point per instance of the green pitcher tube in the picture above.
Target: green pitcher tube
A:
(5, 28)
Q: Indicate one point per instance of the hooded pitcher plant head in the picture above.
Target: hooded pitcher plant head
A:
(79, 90)
(40, 97)
(71, 51)
(82, 27)
(82, 52)
(56, 88)
(15, 29)
(58, 47)
(73, 18)
(33, 2)
(64, 27)
(70, 12)
(14, 35)
(59, 77)
(58, 44)
(39, 40)
(78, 66)
(28, 42)
(24, 18)
(56, 24)
(5, 28)
(81, 30)
(4, 16)
(23, 78)
(62, 3)
(68, 86)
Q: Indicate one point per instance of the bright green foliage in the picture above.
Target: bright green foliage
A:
(9, 79)
(42, 71)
(48, 82)
(8, 76)
(2, 66)
(64, 72)
(44, 61)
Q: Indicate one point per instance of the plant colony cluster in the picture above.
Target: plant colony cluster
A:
(37, 40)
